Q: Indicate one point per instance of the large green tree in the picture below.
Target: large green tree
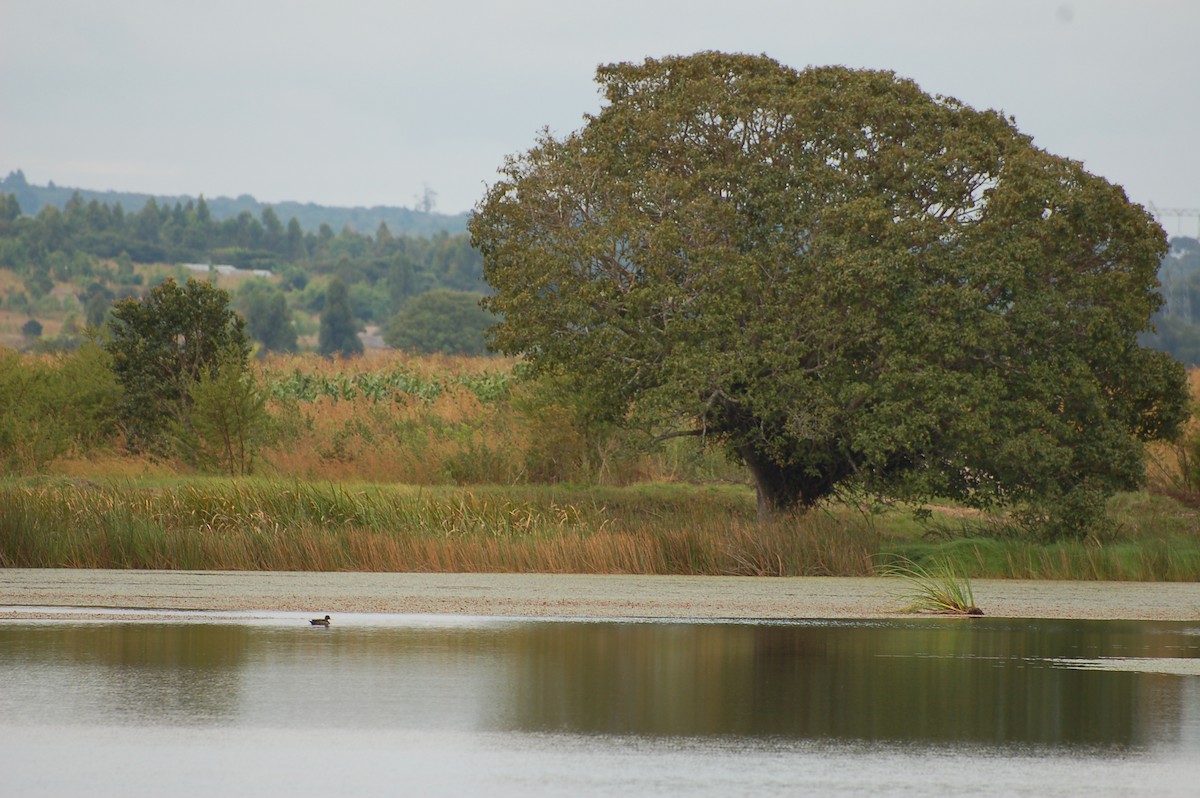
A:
(162, 346)
(842, 279)
(441, 321)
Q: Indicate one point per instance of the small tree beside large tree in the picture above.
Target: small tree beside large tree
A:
(841, 279)
(165, 344)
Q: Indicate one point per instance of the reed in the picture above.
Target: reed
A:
(219, 524)
(275, 524)
(939, 588)
(438, 420)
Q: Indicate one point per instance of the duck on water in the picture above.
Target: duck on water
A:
(320, 621)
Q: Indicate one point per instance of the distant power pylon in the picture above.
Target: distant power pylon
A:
(1178, 214)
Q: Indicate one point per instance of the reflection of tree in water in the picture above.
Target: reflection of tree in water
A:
(624, 678)
(987, 681)
(177, 673)
(930, 681)
(959, 682)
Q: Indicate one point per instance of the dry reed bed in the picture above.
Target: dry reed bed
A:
(267, 525)
(438, 420)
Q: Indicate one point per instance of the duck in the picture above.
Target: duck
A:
(320, 621)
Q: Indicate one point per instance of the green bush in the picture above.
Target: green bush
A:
(441, 321)
(53, 407)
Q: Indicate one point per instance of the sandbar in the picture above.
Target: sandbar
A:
(54, 592)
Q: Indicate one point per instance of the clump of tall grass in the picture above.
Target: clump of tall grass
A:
(937, 588)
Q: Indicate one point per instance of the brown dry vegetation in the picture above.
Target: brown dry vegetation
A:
(304, 526)
(456, 472)
(1173, 467)
(448, 431)
(452, 437)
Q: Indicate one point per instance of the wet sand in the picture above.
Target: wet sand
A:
(42, 593)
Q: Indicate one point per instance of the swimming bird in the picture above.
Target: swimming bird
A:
(320, 621)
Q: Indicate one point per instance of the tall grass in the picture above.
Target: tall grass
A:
(305, 526)
(495, 461)
(938, 588)
(1173, 467)
(1168, 558)
(438, 420)
(645, 529)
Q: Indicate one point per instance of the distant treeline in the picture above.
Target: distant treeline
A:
(1177, 325)
(53, 241)
(95, 246)
(420, 221)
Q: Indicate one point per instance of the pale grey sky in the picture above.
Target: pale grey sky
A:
(364, 102)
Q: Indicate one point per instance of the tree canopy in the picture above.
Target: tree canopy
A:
(268, 318)
(843, 280)
(85, 241)
(339, 330)
(1177, 324)
(164, 344)
(441, 321)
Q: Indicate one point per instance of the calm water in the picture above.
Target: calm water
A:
(386, 705)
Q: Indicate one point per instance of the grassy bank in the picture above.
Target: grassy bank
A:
(206, 523)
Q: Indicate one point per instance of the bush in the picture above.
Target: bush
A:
(441, 321)
(162, 345)
(50, 407)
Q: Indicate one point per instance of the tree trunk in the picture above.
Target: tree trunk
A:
(784, 489)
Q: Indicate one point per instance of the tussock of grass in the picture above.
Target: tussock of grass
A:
(938, 588)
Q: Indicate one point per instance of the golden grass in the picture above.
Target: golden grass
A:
(437, 420)
(453, 439)
(426, 366)
(282, 526)
(1171, 465)
(360, 481)
(256, 524)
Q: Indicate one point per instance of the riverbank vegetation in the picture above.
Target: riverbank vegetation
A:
(260, 524)
(398, 463)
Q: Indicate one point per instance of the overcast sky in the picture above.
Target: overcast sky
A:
(364, 102)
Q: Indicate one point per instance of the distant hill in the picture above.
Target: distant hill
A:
(400, 221)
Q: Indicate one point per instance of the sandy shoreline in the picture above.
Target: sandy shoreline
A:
(36, 593)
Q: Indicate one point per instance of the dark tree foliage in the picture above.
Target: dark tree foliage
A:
(10, 210)
(441, 321)
(1177, 324)
(162, 345)
(268, 319)
(339, 330)
(50, 408)
(96, 301)
(845, 281)
(406, 221)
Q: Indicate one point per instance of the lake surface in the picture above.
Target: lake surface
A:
(264, 704)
